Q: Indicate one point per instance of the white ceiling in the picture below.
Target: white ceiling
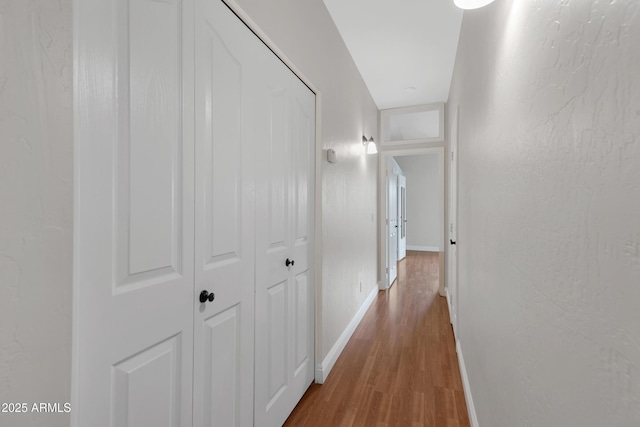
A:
(404, 49)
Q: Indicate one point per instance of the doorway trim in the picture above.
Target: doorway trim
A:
(438, 149)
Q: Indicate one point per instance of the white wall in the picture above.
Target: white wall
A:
(305, 33)
(36, 188)
(424, 200)
(549, 211)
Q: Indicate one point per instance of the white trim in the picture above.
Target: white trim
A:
(452, 318)
(448, 296)
(387, 113)
(327, 364)
(423, 248)
(471, 409)
(438, 149)
(77, 130)
(255, 28)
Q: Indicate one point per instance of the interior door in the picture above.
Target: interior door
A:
(392, 206)
(224, 218)
(284, 208)
(134, 226)
(402, 217)
(453, 220)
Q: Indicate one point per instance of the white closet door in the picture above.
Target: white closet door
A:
(302, 330)
(225, 218)
(134, 297)
(284, 290)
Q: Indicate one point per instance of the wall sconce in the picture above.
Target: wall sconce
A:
(370, 145)
(471, 4)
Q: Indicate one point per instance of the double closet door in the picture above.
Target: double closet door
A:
(194, 182)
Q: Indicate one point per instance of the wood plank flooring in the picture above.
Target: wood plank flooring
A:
(400, 367)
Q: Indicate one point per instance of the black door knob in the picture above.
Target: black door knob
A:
(205, 295)
(452, 242)
(289, 262)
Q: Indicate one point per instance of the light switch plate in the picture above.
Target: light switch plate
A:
(331, 155)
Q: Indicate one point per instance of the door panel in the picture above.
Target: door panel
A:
(133, 249)
(149, 65)
(148, 142)
(273, 248)
(223, 180)
(224, 220)
(156, 368)
(301, 367)
(277, 340)
(221, 369)
(302, 322)
(284, 344)
(278, 180)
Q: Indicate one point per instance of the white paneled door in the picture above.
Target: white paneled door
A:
(227, 57)
(284, 295)
(194, 220)
(134, 215)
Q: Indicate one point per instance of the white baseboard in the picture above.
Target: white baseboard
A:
(471, 409)
(446, 289)
(423, 248)
(327, 364)
(452, 319)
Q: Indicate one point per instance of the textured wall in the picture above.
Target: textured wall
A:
(549, 211)
(424, 199)
(35, 207)
(304, 31)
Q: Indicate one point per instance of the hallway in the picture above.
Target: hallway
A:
(400, 366)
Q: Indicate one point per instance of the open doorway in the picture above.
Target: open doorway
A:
(412, 209)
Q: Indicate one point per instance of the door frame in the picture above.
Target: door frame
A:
(440, 150)
(402, 217)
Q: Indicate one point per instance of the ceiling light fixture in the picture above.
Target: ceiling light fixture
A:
(370, 145)
(471, 4)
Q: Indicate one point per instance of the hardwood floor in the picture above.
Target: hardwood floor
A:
(400, 367)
